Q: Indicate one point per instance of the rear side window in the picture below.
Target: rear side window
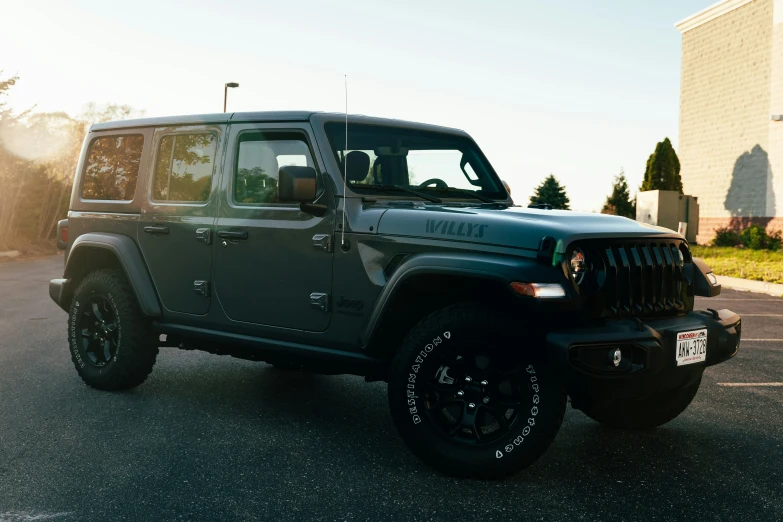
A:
(184, 168)
(112, 168)
(259, 158)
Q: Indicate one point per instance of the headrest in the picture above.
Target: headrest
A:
(358, 165)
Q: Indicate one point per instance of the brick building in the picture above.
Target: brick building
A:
(730, 147)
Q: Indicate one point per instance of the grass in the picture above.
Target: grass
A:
(759, 265)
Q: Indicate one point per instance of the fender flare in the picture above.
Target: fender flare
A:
(503, 269)
(129, 256)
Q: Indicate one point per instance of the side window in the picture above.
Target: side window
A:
(112, 168)
(184, 168)
(258, 161)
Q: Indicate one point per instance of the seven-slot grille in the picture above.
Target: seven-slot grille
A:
(643, 278)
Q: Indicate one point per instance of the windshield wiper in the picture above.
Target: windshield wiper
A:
(402, 188)
(478, 196)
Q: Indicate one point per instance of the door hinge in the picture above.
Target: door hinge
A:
(205, 235)
(323, 241)
(319, 301)
(201, 288)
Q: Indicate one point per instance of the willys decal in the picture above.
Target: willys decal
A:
(455, 228)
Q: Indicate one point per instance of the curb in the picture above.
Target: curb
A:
(746, 285)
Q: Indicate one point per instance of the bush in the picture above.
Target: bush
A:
(755, 237)
(726, 237)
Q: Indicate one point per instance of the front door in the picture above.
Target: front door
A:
(273, 262)
(177, 221)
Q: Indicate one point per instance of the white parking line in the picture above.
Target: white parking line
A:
(771, 300)
(738, 384)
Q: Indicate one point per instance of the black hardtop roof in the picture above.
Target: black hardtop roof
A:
(262, 117)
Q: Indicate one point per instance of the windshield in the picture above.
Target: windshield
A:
(436, 163)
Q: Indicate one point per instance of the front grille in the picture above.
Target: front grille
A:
(642, 278)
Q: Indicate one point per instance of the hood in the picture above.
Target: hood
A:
(513, 227)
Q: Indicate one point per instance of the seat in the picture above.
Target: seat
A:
(358, 166)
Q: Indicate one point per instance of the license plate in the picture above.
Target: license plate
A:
(691, 347)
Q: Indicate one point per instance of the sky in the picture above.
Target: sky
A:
(581, 90)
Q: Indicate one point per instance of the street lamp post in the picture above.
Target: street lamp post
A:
(225, 92)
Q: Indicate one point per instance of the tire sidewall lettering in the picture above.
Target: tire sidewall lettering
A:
(72, 321)
(116, 311)
(412, 397)
(531, 421)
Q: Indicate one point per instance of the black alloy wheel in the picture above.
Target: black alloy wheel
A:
(98, 329)
(475, 396)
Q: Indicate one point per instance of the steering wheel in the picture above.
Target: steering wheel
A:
(439, 183)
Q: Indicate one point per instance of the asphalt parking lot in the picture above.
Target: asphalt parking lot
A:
(216, 438)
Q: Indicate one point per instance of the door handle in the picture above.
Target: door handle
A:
(155, 231)
(232, 234)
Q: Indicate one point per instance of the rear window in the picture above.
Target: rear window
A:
(183, 170)
(112, 168)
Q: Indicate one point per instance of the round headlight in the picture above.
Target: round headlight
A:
(681, 259)
(578, 266)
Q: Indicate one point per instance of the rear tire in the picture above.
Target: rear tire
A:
(644, 414)
(492, 425)
(112, 344)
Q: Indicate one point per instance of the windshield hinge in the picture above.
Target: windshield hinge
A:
(323, 241)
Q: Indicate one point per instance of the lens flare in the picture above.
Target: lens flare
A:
(41, 137)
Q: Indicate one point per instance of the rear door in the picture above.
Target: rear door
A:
(176, 230)
(273, 262)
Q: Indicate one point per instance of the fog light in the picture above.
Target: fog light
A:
(712, 278)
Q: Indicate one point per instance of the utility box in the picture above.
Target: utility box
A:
(669, 208)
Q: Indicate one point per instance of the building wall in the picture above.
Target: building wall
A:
(776, 127)
(729, 148)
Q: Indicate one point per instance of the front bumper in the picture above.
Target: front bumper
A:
(648, 349)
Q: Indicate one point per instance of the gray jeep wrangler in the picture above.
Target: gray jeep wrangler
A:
(393, 252)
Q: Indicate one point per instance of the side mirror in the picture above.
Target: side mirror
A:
(296, 184)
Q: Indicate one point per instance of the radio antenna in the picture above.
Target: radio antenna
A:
(345, 164)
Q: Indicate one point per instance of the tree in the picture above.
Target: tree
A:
(38, 157)
(663, 169)
(550, 192)
(619, 202)
(93, 113)
(5, 86)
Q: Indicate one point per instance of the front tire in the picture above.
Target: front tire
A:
(644, 414)
(112, 345)
(470, 398)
